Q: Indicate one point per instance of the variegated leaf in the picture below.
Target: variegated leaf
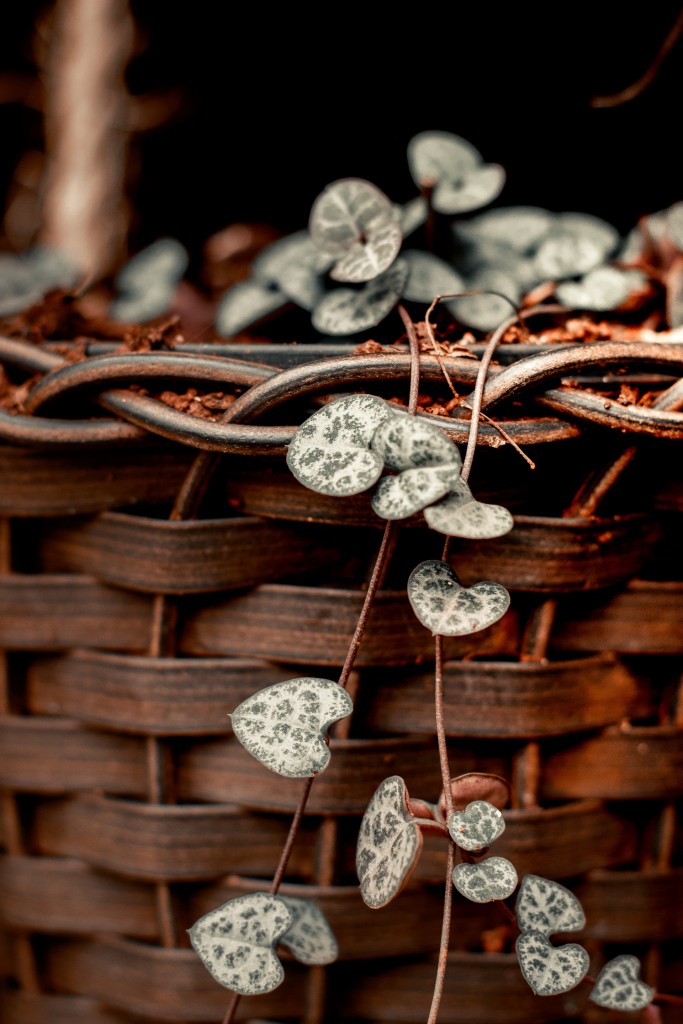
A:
(309, 938)
(491, 879)
(426, 461)
(449, 609)
(548, 907)
(477, 188)
(605, 287)
(429, 276)
(674, 224)
(366, 259)
(618, 986)
(473, 786)
(389, 843)
(296, 267)
(517, 228)
(459, 514)
(485, 311)
(350, 310)
(411, 215)
(284, 725)
(235, 942)
(475, 828)
(550, 970)
(165, 260)
(330, 452)
(245, 304)
(345, 211)
(435, 156)
(577, 243)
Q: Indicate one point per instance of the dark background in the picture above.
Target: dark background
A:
(274, 106)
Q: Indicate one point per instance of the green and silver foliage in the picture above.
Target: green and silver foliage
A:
(492, 879)
(455, 171)
(284, 726)
(148, 282)
(548, 907)
(309, 937)
(543, 908)
(618, 986)
(389, 843)
(475, 828)
(330, 452)
(601, 289)
(449, 609)
(550, 970)
(459, 514)
(236, 942)
(25, 278)
(351, 310)
(426, 463)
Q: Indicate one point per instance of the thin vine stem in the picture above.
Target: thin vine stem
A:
(378, 573)
(445, 934)
(648, 76)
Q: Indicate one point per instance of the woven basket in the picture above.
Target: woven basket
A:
(146, 588)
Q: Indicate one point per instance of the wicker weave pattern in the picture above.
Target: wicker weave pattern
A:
(129, 808)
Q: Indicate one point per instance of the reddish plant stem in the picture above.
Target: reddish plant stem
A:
(648, 77)
(441, 725)
(445, 934)
(373, 585)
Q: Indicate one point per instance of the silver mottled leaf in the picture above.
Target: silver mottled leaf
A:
(577, 243)
(351, 310)
(548, 907)
(26, 278)
(435, 156)
(412, 215)
(165, 261)
(605, 287)
(486, 311)
(449, 609)
(345, 211)
(618, 985)
(309, 937)
(426, 461)
(389, 844)
(492, 879)
(296, 267)
(153, 301)
(550, 970)
(475, 189)
(461, 515)
(245, 304)
(517, 228)
(475, 828)
(284, 725)
(429, 276)
(366, 259)
(235, 942)
(330, 452)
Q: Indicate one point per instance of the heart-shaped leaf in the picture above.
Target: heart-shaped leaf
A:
(355, 222)
(618, 985)
(492, 879)
(284, 725)
(427, 463)
(449, 609)
(330, 452)
(475, 828)
(477, 188)
(245, 304)
(517, 228)
(367, 259)
(435, 156)
(461, 515)
(295, 267)
(550, 970)
(148, 281)
(486, 311)
(389, 843)
(473, 786)
(429, 276)
(577, 243)
(604, 287)
(25, 279)
(235, 942)
(546, 906)
(309, 938)
(351, 310)
(411, 215)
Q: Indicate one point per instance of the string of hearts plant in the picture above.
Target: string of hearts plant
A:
(346, 447)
